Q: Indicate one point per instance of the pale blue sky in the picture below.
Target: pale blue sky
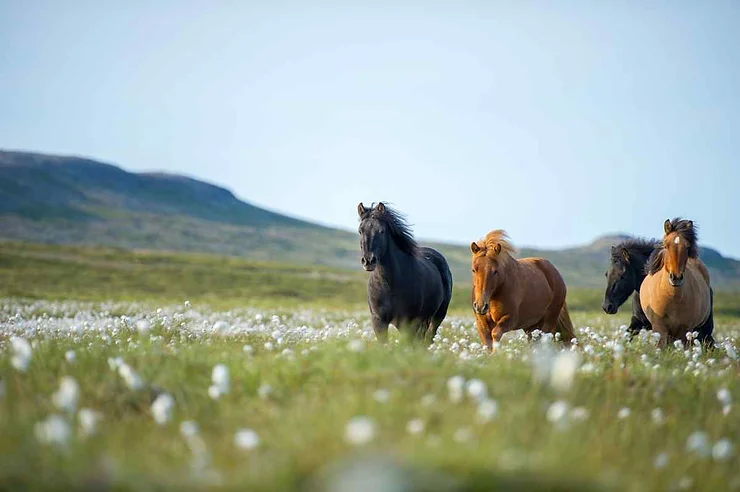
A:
(558, 121)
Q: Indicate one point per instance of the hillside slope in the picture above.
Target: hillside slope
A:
(71, 200)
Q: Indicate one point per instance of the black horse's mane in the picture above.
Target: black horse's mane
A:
(636, 247)
(688, 231)
(398, 228)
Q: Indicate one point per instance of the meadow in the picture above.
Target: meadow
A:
(154, 371)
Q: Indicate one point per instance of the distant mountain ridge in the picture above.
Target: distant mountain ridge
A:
(72, 200)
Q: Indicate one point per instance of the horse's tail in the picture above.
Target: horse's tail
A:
(565, 325)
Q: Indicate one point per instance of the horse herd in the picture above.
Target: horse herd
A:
(411, 286)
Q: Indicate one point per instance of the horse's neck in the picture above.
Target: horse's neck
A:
(391, 267)
(639, 269)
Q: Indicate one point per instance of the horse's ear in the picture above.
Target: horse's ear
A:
(626, 255)
(497, 248)
(667, 226)
(381, 207)
(691, 224)
(474, 248)
(361, 209)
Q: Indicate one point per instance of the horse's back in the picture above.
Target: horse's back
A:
(441, 265)
(541, 285)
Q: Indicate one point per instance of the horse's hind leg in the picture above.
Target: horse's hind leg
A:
(705, 331)
(437, 319)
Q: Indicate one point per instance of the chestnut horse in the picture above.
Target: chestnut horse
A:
(676, 294)
(510, 293)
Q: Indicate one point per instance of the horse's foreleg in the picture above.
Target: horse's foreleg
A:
(381, 329)
(505, 324)
(485, 326)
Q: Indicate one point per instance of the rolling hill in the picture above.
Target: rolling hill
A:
(71, 200)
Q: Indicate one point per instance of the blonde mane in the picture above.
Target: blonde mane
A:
(487, 245)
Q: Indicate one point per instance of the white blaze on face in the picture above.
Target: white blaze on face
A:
(677, 240)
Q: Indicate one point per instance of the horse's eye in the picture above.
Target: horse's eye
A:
(606, 274)
(495, 272)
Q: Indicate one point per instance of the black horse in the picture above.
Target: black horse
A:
(628, 267)
(409, 286)
(624, 278)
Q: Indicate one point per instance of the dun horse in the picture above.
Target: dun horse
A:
(676, 294)
(625, 276)
(409, 286)
(510, 293)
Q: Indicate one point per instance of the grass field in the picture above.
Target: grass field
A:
(279, 371)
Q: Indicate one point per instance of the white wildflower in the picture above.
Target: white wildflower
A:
(698, 443)
(220, 326)
(415, 427)
(487, 410)
(54, 430)
(382, 395)
(221, 378)
(579, 414)
(661, 461)
(564, 369)
(722, 450)
(623, 413)
(130, 377)
(88, 420)
(455, 388)
(724, 396)
(657, 416)
(356, 345)
(476, 389)
(189, 428)
(143, 326)
(162, 408)
(246, 439)
(22, 353)
(557, 412)
(67, 395)
(70, 356)
(359, 430)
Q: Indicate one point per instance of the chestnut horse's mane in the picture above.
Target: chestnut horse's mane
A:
(688, 232)
(493, 238)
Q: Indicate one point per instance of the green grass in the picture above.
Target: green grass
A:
(96, 274)
(324, 381)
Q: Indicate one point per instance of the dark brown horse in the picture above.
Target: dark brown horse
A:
(509, 294)
(676, 294)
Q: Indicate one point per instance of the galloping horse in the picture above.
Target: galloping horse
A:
(676, 294)
(409, 286)
(509, 294)
(625, 276)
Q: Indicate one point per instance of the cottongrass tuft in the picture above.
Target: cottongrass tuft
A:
(415, 427)
(88, 421)
(382, 395)
(722, 450)
(623, 413)
(22, 354)
(359, 430)
(487, 410)
(67, 395)
(70, 356)
(246, 439)
(162, 408)
(698, 443)
(54, 430)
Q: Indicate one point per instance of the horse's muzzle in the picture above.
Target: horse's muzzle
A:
(609, 307)
(675, 280)
(369, 264)
(481, 309)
